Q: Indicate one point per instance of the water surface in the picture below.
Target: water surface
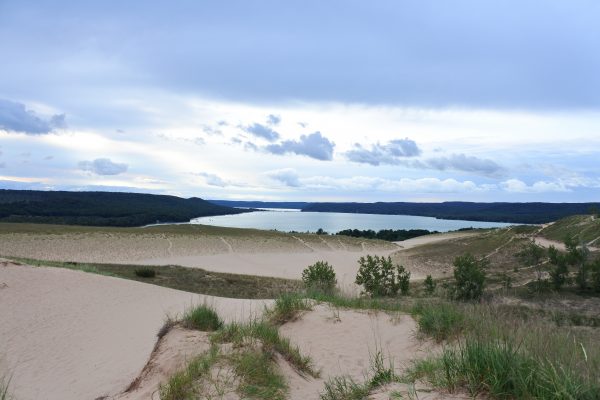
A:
(294, 220)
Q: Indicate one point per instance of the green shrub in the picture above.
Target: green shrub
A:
(145, 272)
(380, 277)
(203, 318)
(595, 276)
(429, 285)
(469, 274)
(319, 276)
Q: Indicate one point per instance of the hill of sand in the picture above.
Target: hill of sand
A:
(73, 335)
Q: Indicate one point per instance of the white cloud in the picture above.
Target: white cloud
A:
(103, 166)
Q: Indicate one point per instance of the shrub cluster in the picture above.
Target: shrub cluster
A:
(319, 276)
(145, 272)
(380, 277)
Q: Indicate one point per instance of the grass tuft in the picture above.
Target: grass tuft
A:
(203, 318)
(287, 308)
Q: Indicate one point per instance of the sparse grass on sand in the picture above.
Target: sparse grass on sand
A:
(346, 388)
(251, 355)
(182, 384)
(287, 307)
(194, 280)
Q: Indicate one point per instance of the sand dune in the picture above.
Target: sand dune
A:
(74, 335)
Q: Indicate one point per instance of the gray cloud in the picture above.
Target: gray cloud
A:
(212, 179)
(103, 166)
(287, 176)
(462, 162)
(394, 152)
(262, 131)
(314, 145)
(273, 119)
(16, 117)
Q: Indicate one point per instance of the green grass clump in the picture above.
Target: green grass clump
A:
(441, 321)
(145, 272)
(502, 370)
(182, 385)
(287, 308)
(344, 388)
(259, 376)
(203, 318)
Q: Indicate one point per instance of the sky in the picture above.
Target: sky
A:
(303, 100)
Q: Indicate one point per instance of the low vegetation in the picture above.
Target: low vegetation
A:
(194, 280)
(346, 388)
(182, 385)
(145, 272)
(469, 277)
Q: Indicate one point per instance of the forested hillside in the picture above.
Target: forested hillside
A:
(102, 208)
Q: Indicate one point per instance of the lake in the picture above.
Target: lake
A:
(294, 220)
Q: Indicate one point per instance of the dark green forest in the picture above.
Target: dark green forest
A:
(102, 208)
(391, 235)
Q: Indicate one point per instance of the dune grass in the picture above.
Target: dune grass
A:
(202, 318)
(287, 307)
(439, 320)
(507, 352)
(258, 375)
(182, 384)
(346, 388)
(268, 335)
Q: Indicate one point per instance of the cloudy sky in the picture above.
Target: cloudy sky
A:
(303, 100)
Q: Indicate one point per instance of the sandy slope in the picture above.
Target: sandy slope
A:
(427, 239)
(342, 342)
(74, 335)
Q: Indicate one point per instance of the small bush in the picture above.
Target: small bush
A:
(380, 277)
(469, 274)
(429, 285)
(203, 318)
(145, 272)
(319, 276)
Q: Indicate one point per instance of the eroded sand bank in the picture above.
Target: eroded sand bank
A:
(73, 335)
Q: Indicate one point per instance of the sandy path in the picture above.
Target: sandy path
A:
(434, 238)
(74, 335)
(541, 241)
(342, 342)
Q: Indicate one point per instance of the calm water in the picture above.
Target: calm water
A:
(294, 220)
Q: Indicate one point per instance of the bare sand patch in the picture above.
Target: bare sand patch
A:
(342, 342)
(258, 253)
(433, 238)
(73, 335)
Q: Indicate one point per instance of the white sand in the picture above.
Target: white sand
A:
(342, 342)
(434, 238)
(73, 335)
